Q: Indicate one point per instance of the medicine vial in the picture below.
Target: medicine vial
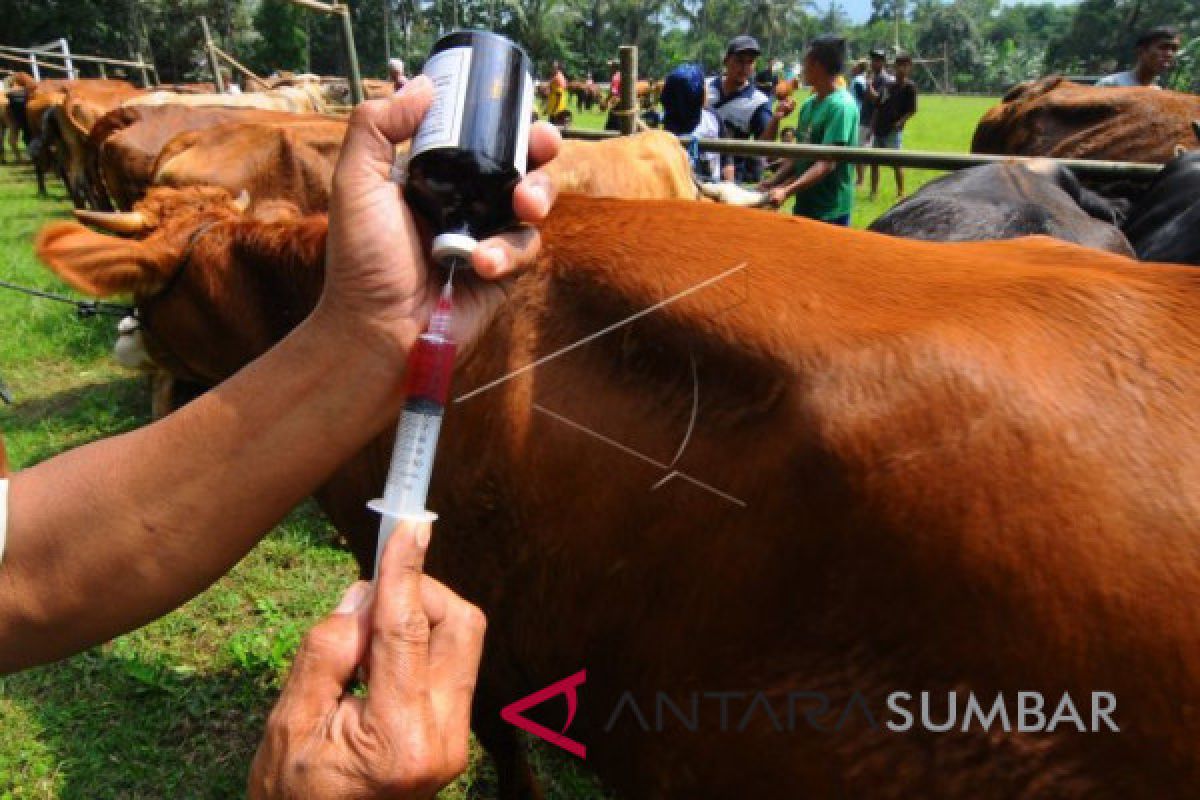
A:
(470, 151)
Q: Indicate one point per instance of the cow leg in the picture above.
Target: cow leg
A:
(514, 776)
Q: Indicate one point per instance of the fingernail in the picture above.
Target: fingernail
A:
(493, 256)
(354, 597)
(422, 533)
(539, 185)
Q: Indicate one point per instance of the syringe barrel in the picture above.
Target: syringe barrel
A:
(407, 485)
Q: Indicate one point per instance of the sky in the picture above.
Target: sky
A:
(859, 10)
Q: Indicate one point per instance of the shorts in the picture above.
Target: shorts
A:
(864, 135)
(843, 220)
(889, 141)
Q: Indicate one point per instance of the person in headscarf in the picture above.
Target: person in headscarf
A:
(684, 113)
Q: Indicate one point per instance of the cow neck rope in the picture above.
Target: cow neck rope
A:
(141, 312)
(83, 308)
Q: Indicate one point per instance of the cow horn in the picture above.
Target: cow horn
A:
(242, 201)
(126, 223)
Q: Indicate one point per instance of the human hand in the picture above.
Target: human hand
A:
(408, 737)
(378, 286)
(785, 107)
(778, 196)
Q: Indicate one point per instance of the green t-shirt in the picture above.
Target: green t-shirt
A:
(833, 120)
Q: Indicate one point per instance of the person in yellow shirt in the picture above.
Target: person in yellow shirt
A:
(556, 100)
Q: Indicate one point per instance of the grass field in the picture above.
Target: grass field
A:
(175, 709)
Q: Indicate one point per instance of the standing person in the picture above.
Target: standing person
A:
(858, 90)
(556, 99)
(877, 78)
(824, 190)
(684, 113)
(897, 104)
(1156, 50)
(744, 111)
(396, 74)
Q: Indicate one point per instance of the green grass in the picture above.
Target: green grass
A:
(176, 708)
(943, 123)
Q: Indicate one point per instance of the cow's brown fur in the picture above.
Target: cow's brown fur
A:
(290, 161)
(652, 165)
(128, 141)
(1055, 117)
(82, 107)
(964, 466)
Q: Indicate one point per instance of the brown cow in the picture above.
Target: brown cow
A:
(1055, 117)
(81, 108)
(645, 165)
(46, 147)
(12, 119)
(857, 466)
(302, 99)
(277, 160)
(128, 141)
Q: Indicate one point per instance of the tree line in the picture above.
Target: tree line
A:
(989, 46)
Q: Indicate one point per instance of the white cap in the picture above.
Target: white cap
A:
(453, 245)
(396, 64)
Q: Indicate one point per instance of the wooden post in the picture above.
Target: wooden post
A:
(103, 71)
(946, 67)
(37, 76)
(213, 64)
(628, 108)
(145, 73)
(387, 31)
(356, 89)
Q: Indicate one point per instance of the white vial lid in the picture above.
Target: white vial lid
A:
(453, 245)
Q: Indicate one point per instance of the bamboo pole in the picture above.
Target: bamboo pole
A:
(627, 112)
(356, 87)
(210, 53)
(113, 62)
(236, 65)
(919, 159)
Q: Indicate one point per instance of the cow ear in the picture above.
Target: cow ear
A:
(96, 264)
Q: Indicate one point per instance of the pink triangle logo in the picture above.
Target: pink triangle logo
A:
(568, 687)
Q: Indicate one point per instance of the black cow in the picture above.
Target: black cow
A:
(1007, 200)
(1164, 224)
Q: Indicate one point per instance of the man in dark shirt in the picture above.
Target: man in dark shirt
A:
(897, 104)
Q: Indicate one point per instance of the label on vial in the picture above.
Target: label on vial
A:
(450, 72)
(524, 122)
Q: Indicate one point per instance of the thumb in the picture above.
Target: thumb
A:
(377, 126)
(328, 656)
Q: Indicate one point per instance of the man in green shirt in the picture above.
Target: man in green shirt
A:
(824, 190)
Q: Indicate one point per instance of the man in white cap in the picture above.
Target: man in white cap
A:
(396, 73)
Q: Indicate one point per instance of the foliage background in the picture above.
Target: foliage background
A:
(990, 46)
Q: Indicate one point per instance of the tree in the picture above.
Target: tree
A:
(1101, 35)
(951, 28)
(283, 38)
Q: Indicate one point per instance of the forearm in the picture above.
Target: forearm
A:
(812, 176)
(781, 174)
(109, 536)
(770, 133)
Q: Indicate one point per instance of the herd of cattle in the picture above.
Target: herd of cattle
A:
(967, 466)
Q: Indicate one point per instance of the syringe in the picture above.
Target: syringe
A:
(426, 386)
